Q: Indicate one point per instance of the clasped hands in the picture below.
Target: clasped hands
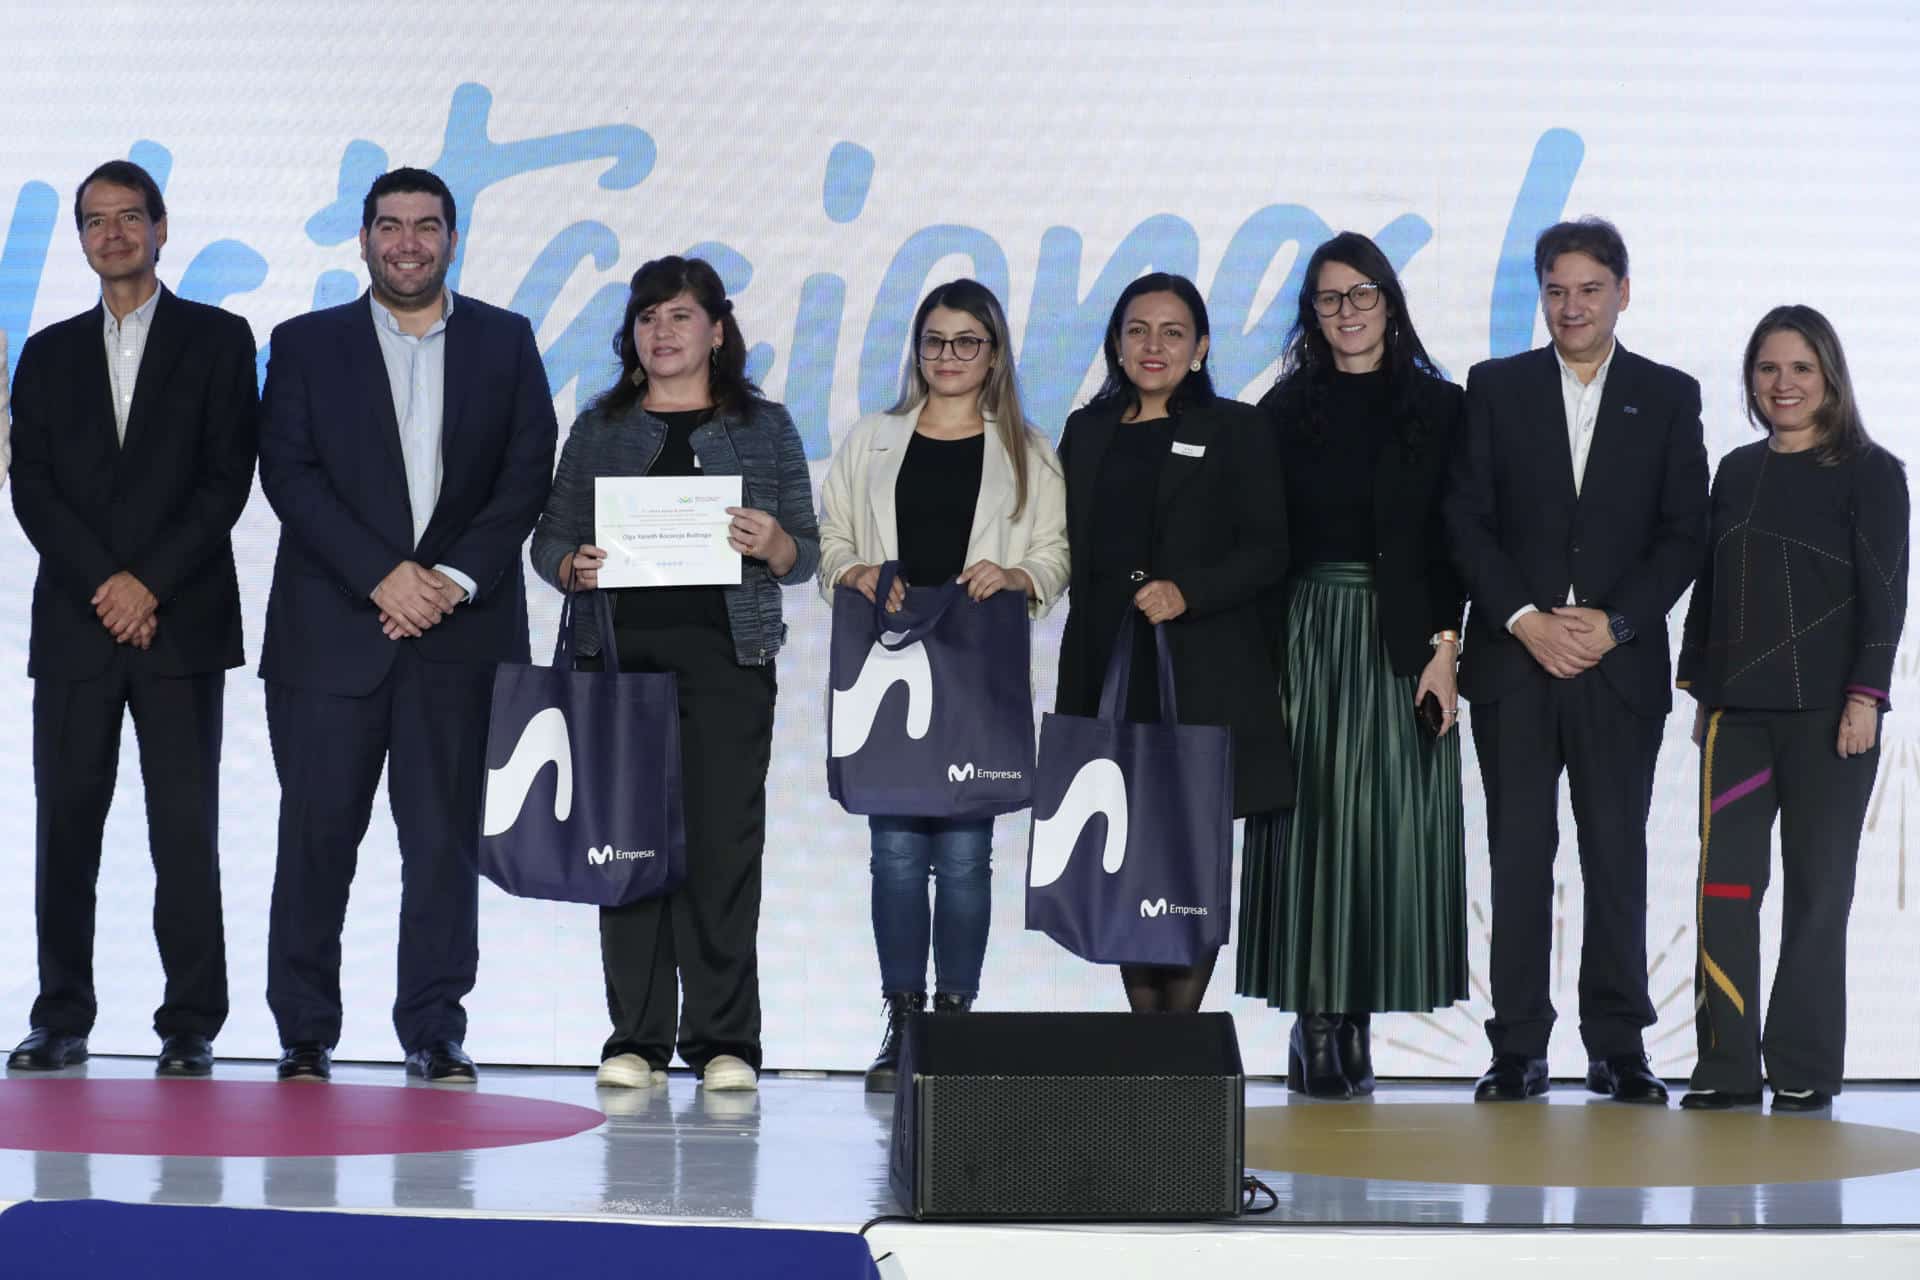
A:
(1567, 641)
(413, 598)
(126, 609)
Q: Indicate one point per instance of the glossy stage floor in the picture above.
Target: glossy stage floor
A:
(1416, 1174)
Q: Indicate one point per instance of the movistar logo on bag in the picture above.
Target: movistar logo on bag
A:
(967, 773)
(1098, 788)
(855, 709)
(1154, 908)
(543, 742)
(607, 853)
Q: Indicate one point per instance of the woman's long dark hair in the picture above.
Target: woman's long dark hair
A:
(1842, 434)
(657, 282)
(1196, 388)
(1307, 371)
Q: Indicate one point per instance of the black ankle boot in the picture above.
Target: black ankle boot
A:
(880, 1075)
(1355, 1042)
(1313, 1057)
(945, 1003)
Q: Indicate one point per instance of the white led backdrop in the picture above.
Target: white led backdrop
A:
(835, 159)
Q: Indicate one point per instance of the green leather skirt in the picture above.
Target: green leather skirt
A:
(1356, 901)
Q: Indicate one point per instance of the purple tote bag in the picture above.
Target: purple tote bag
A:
(930, 710)
(582, 800)
(1131, 854)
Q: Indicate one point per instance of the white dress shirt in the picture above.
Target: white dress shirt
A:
(417, 377)
(1582, 403)
(126, 341)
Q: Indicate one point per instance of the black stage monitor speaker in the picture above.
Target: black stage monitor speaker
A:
(1115, 1116)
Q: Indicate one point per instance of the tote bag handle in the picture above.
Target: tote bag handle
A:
(1113, 691)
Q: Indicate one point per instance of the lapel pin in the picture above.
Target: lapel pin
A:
(1629, 408)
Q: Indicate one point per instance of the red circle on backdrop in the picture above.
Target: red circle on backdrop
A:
(253, 1118)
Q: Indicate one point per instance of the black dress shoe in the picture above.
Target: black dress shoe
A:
(1313, 1057)
(306, 1061)
(1719, 1099)
(186, 1054)
(47, 1050)
(1354, 1039)
(442, 1062)
(1626, 1077)
(1513, 1077)
(1800, 1100)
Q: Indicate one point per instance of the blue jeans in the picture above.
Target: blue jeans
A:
(958, 855)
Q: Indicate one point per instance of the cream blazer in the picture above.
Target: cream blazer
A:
(859, 524)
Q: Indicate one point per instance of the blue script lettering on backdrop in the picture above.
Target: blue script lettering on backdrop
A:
(1064, 325)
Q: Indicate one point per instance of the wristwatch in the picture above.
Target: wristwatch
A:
(1622, 629)
(1439, 638)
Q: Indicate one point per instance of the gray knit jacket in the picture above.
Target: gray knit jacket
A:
(756, 442)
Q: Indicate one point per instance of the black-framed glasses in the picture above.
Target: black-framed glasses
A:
(965, 347)
(1364, 296)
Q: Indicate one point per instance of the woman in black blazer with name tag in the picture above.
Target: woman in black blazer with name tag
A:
(1175, 514)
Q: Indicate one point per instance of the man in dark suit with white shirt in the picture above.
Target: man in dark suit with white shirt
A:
(1578, 517)
(133, 439)
(406, 444)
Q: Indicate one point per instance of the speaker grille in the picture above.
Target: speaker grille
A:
(1079, 1146)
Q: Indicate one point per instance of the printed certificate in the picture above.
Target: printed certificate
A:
(665, 531)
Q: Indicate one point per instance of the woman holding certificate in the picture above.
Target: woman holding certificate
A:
(683, 407)
(1177, 516)
(952, 483)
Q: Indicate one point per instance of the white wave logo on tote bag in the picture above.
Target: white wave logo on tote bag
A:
(543, 742)
(856, 709)
(1098, 788)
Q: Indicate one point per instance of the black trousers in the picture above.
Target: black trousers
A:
(703, 937)
(76, 757)
(427, 724)
(1754, 765)
(1524, 742)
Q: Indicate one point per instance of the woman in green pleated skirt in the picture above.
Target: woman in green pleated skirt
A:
(1355, 903)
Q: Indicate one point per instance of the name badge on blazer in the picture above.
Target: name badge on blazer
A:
(1189, 450)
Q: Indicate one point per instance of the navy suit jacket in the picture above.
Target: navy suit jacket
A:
(331, 466)
(162, 505)
(1629, 542)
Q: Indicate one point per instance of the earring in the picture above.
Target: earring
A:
(1194, 367)
(638, 377)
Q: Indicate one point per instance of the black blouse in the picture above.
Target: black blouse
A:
(934, 498)
(1329, 472)
(653, 608)
(1804, 592)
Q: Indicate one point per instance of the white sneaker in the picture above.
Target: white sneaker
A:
(728, 1072)
(628, 1071)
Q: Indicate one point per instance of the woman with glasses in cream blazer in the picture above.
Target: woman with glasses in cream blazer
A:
(952, 483)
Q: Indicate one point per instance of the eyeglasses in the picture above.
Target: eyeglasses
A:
(1364, 297)
(965, 347)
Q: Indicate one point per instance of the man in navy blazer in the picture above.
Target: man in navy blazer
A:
(407, 443)
(1578, 517)
(133, 443)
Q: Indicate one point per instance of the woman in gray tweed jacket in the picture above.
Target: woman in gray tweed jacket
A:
(683, 406)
